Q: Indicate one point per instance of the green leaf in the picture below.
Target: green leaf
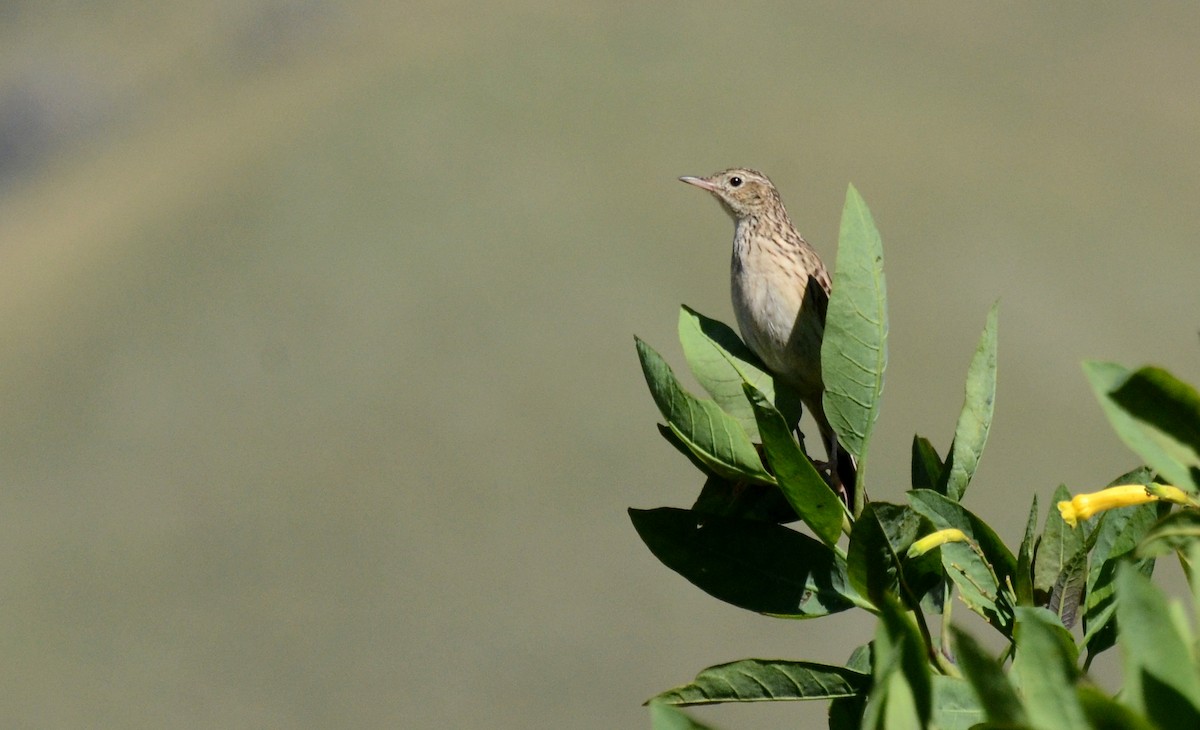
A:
(1160, 675)
(708, 432)
(1116, 535)
(764, 680)
(757, 566)
(846, 713)
(1023, 581)
(723, 498)
(1058, 545)
(926, 464)
(1168, 410)
(1067, 592)
(1045, 667)
(955, 705)
(721, 363)
(854, 350)
(666, 717)
(1105, 713)
(902, 686)
(799, 480)
(997, 696)
(981, 577)
(975, 420)
(1175, 532)
(881, 534)
(1131, 402)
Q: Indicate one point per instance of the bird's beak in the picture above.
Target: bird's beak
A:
(700, 183)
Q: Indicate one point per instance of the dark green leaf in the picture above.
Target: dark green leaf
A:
(845, 713)
(763, 680)
(799, 480)
(880, 535)
(1160, 675)
(996, 694)
(722, 363)
(1059, 543)
(926, 464)
(708, 432)
(1023, 581)
(1168, 410)
(666, 717)
(757, 566)
(854, 350)
(723, 498)
(975, 420)
(1045, 665)
(1067, 592)
(1161, 449)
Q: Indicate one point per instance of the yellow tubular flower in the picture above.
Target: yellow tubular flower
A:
(936, 539)
(1083, 506)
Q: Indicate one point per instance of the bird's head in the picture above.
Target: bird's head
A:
(742, 192)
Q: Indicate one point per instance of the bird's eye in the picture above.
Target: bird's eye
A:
(735, 182)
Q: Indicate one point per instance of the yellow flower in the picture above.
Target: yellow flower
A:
(1083, 506)
(936, 539)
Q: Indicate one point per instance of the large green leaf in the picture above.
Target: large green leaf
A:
(757, 566)
(955, 704)
(1106, 713)
(1160, 673)
(975, 419)
(1000, 701)
(1045, 667)
(901, 694)
(799, 480)
(766, 680)
(1175, 532)
(1168, 410)
(721, 363)
(714, 436)
(1154, 414)
(981, 577)
(854, 351)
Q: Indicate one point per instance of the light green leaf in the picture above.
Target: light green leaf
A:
(995, 692)
(1105, 713)
(955, 705)
(721, 363)
(766, 680)
(970, 435)
(1160, 675)
(799, 480)
(708, 432)
(1059, 544)
(1151, 412)
(758, 566)
(1045, 668)
(854, 351)
(902, 684)
(1175, 532)
(666, 717)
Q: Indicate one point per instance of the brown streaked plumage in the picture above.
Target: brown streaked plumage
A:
(780, 293)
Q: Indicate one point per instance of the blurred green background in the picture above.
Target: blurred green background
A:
(319, 402)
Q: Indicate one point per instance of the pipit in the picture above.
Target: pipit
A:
(780, 295)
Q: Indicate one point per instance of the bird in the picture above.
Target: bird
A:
(780, 290)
